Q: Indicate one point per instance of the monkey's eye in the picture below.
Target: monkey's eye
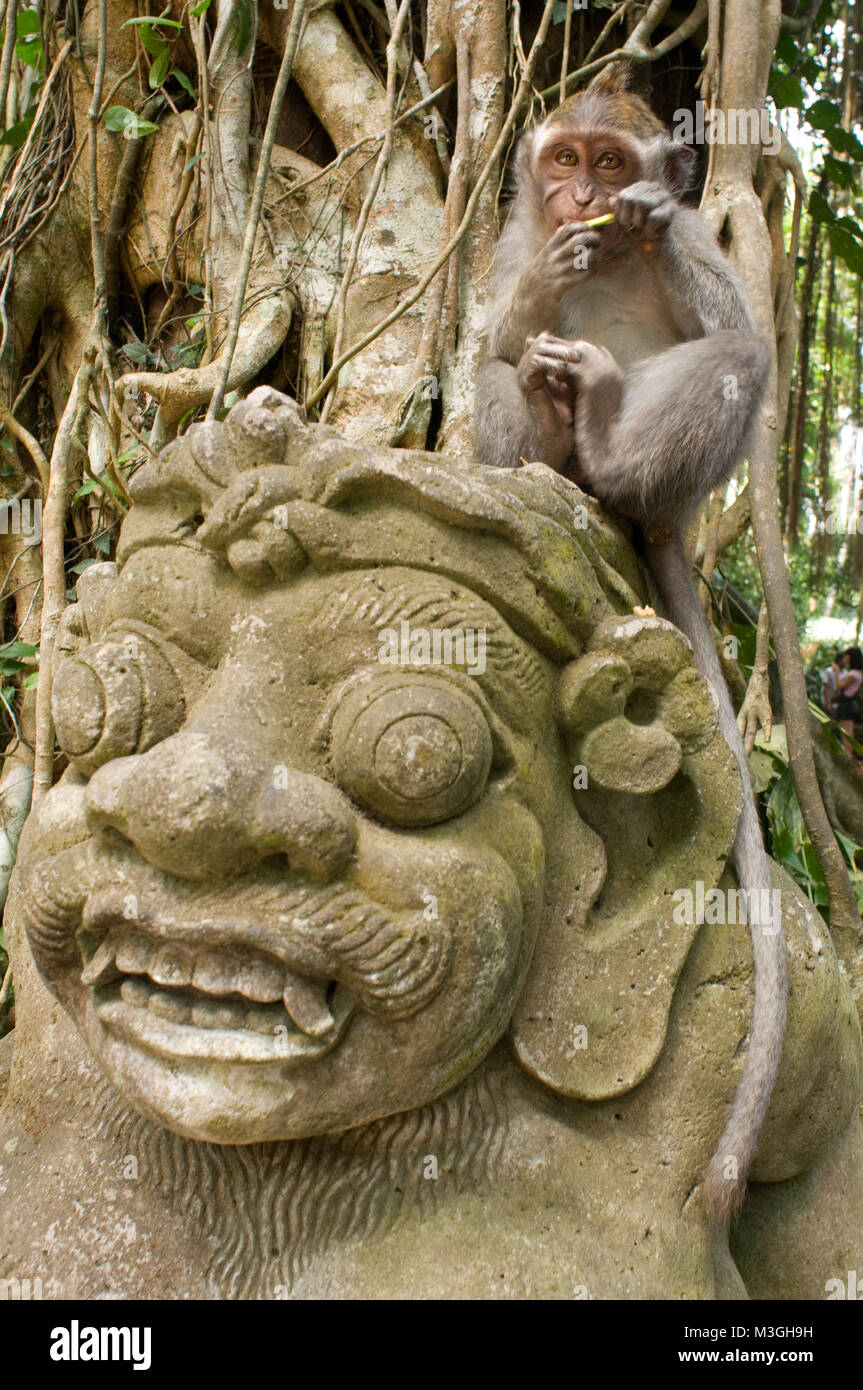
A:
(567, 156)
(609, 160)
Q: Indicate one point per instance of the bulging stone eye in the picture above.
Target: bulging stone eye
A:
(117, 697)
(414, 754)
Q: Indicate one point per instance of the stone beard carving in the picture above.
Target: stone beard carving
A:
(302, 876)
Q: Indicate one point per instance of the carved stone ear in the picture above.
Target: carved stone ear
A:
(680, 166)
(634, 706)
(81, 623)
(592, 1017)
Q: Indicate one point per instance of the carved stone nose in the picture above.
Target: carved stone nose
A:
(201, 808)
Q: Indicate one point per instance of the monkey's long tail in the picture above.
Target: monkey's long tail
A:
(725, 1179)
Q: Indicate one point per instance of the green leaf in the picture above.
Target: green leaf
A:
(786, 50)
(124, 121)
(851, 226)
(30, 682)
(201, 8)
(811, 72)
(840, 174)
(153, 19)
(847, 247)
(17, 134)
(787, 90)
(850, 849)
(15, 651)
(136, 352)
(82, 565)
(190, 164)
(102, 483)
(845, 142)
(790, 843)
(117, 117)
(244, 25)
(822, 114)
(29, 51)
(27, 23)
(159, 69)
(102, 543)
(152, 42)
(819, 208)
(184, 83)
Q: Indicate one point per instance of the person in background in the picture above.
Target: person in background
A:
(849, 679)
(828, 688)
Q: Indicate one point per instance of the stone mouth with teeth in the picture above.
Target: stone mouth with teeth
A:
(209, 987)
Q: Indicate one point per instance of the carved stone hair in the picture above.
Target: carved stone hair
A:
(271, 494)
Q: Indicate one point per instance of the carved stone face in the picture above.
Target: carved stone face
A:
(293, 877)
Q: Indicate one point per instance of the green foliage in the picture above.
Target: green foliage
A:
(17, 133)
(18, 663)
(801, 78)
(244, 24)
(29, 35)
(125, 122)
(159, 49)
(789, 841)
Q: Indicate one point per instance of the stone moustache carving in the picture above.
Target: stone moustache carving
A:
(362, 887)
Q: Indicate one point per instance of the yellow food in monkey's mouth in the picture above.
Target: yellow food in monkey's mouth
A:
(600, 221)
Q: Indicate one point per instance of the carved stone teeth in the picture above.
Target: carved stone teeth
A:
(171, 966)
(206, 1013)
(101, 965)
(136, 992)
(170, 1006)
(306, 1002)
(217, 972)
(263, 1020)
(133, 954)
(262, 981)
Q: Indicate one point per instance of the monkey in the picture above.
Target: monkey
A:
(624, 355)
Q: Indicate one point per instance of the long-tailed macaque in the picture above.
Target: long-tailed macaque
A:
(624, 355)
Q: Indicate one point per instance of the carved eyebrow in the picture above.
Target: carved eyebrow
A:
(510, 662)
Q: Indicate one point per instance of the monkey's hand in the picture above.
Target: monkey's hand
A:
(644, 211)
(567, 259)
(598, 383)
(547, 384)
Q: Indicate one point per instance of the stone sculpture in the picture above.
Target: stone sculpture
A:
(365, 887)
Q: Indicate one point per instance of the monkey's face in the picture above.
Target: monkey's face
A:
(579, 170)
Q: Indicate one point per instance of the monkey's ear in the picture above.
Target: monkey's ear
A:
(616, 77)
(680, 162)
